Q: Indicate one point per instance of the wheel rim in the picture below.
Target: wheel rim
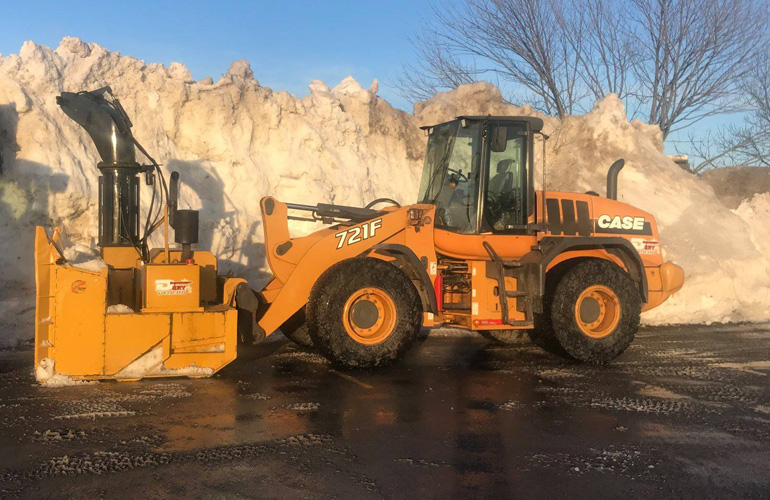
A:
(597, 311)
(369, 315)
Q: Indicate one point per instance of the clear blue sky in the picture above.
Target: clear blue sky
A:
(289, 43)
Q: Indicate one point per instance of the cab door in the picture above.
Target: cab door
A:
(501, 208)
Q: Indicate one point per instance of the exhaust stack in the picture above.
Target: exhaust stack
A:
(612, 178)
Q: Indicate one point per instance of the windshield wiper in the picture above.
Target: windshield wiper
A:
(439, 168)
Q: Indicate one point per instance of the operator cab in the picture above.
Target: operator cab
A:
(478, 174)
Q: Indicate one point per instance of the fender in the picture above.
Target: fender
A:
(551, 247)
(297, 266)
(417, 268)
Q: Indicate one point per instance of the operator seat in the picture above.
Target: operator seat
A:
(502, 182)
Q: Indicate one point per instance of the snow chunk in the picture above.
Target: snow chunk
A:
(74, 46)
(119, 309)
(318, 87)
(47, 376)
(187, 371)
(142, 365)
(44, 370)
(84, 257)
(241, 70)
(151, 363)
(179, 71)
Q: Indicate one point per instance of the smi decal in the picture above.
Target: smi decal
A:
(645, 246)
(622, 225)
(173, 287)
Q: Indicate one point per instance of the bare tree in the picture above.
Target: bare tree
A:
(519, 42)
(757, 90)
(599, 33)
(675, 61)
(695, 54)
(436, 71)
(749, 143)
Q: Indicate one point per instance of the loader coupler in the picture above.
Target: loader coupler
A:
(79, 336)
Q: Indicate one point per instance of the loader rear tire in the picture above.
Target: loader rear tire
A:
(363, 313)
(295, 329)
(595, 311)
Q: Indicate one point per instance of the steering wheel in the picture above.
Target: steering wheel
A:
(383, 200)
(460, 176)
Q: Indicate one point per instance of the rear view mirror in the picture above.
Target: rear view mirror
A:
(499, 139)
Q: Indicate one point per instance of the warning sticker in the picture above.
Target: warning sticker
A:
(173, 287)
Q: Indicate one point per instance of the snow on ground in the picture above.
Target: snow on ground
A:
(234, 141)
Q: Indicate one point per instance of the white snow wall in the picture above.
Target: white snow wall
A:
(235, 141)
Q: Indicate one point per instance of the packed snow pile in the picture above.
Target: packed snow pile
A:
(734, 185)
(234, 141)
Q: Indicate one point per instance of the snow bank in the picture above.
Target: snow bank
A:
(734, 185)
(235, 141)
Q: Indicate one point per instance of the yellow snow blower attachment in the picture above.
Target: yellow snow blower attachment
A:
(134, 312)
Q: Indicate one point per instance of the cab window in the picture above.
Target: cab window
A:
(451, 177)
(506, 176)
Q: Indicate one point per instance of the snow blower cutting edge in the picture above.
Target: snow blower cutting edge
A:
(140, 312)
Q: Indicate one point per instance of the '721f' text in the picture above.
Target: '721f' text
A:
(358, 233)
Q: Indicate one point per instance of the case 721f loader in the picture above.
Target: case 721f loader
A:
(482, 250)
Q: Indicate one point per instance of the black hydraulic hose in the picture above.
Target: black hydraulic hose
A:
(383, 200)
(148, 219)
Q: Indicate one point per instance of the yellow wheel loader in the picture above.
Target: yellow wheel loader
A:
(481, 250)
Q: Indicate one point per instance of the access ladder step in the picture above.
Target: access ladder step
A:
(503, 294)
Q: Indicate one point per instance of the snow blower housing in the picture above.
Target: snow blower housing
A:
(146, 312)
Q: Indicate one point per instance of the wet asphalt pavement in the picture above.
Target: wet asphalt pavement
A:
(684, 413)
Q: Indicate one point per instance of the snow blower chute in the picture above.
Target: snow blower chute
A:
(138, 312)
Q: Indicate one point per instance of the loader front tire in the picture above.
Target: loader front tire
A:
(595, 311)
(363, 313)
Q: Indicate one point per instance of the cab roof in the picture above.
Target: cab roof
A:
(535, 124)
